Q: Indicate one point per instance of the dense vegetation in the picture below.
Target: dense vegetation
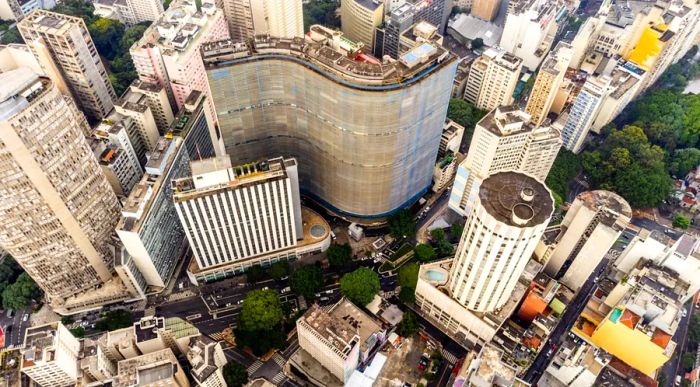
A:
(465, 114)
(260, 322)
(112, 40)
(9, 34)
(360, 286)
(114, 320)
(235, 374)
(17, 288)
(656, 137)
(565, 168)
(321, 12)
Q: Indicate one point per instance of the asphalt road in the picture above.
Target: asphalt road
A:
(573, 310)
(651, 225)
(14, 327)
(672, 367)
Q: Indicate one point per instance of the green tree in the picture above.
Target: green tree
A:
(321, 12)
(408, 275)
(681, 221)
(565, 168)
(360, 286)
(339, 255)
(683, 160)
(261, 342)
(9, 271)
(21, 293)
(235, 374)
(402, 224)
(408, 325)
(694, 331)
(465, 114)
(306, 281)
(442, 246)
(407, 295)
(279, 270)
(477, 43)
(261, 311)
(424, 252)
(107, 34)
(255, 274)
(78, 332)
(115, 319)
(11, 36)
(688, 361)
(456, 231)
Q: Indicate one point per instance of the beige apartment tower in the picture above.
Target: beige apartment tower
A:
(57, 210)
(360, 19)
(64, 48)
(485, 9)
(492, 79)
(548, 82)
(279, 18)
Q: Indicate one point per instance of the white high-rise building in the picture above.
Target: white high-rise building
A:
(129, 12)
(279, 18)
(584, 112)
(235, 213)
(65, 50)
(50, 355)
(548, 82)
(503, 140)
(530, 29)
(492, 79)
(506, 224)
(591, 226)
(116, 156)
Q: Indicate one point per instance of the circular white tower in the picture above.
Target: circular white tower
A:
(509, 217)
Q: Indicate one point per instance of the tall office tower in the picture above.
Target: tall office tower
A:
(57, 210)
(584, 112)
(63, 42)
(258, 204)
(360, 19)
(369, 138)
(485, 9)
(116, 155)
(281, 19)
(503, 140)
(590, 228)
(129, 12)
(530, 29)
(509, 217)
(548, 82)
(195, 125)
(155, 97)
(149, 228)
(144, 132)
(50, 355)
(402, 17)
(625, 81)
(492, 79)
(168, 53)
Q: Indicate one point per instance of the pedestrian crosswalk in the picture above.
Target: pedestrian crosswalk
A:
(452, 359)
(254, 367)
(279, 379)
(279, 360)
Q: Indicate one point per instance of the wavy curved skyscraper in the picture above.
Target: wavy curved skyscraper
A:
(365, 133)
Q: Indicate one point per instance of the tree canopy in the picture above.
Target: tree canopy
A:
(261, 310)
(627, 163)
(408, 325)
(279, 270)
(424, 252)
(306, 281)
(321, 12)
(565, 168)
(115, 319)
(465, 114)
(235, 374)
(402, 224)
(339, 255)
(408, 275)
(21, 293)
(681, 221)
(360, 286)
(443, 247)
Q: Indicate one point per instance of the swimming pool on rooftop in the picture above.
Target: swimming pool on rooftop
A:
(436, 276)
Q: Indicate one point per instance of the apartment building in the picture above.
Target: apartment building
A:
(129, 12)
(584, 111)
(157, 100)
(592, 225)
(492, 79)
(246, 18)
(50, 355)
(503, 140)
(58, 209)
(168, 53)
(485, 9)
(116, 155)
(548, 82)
(66, 52)
(360, 19)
